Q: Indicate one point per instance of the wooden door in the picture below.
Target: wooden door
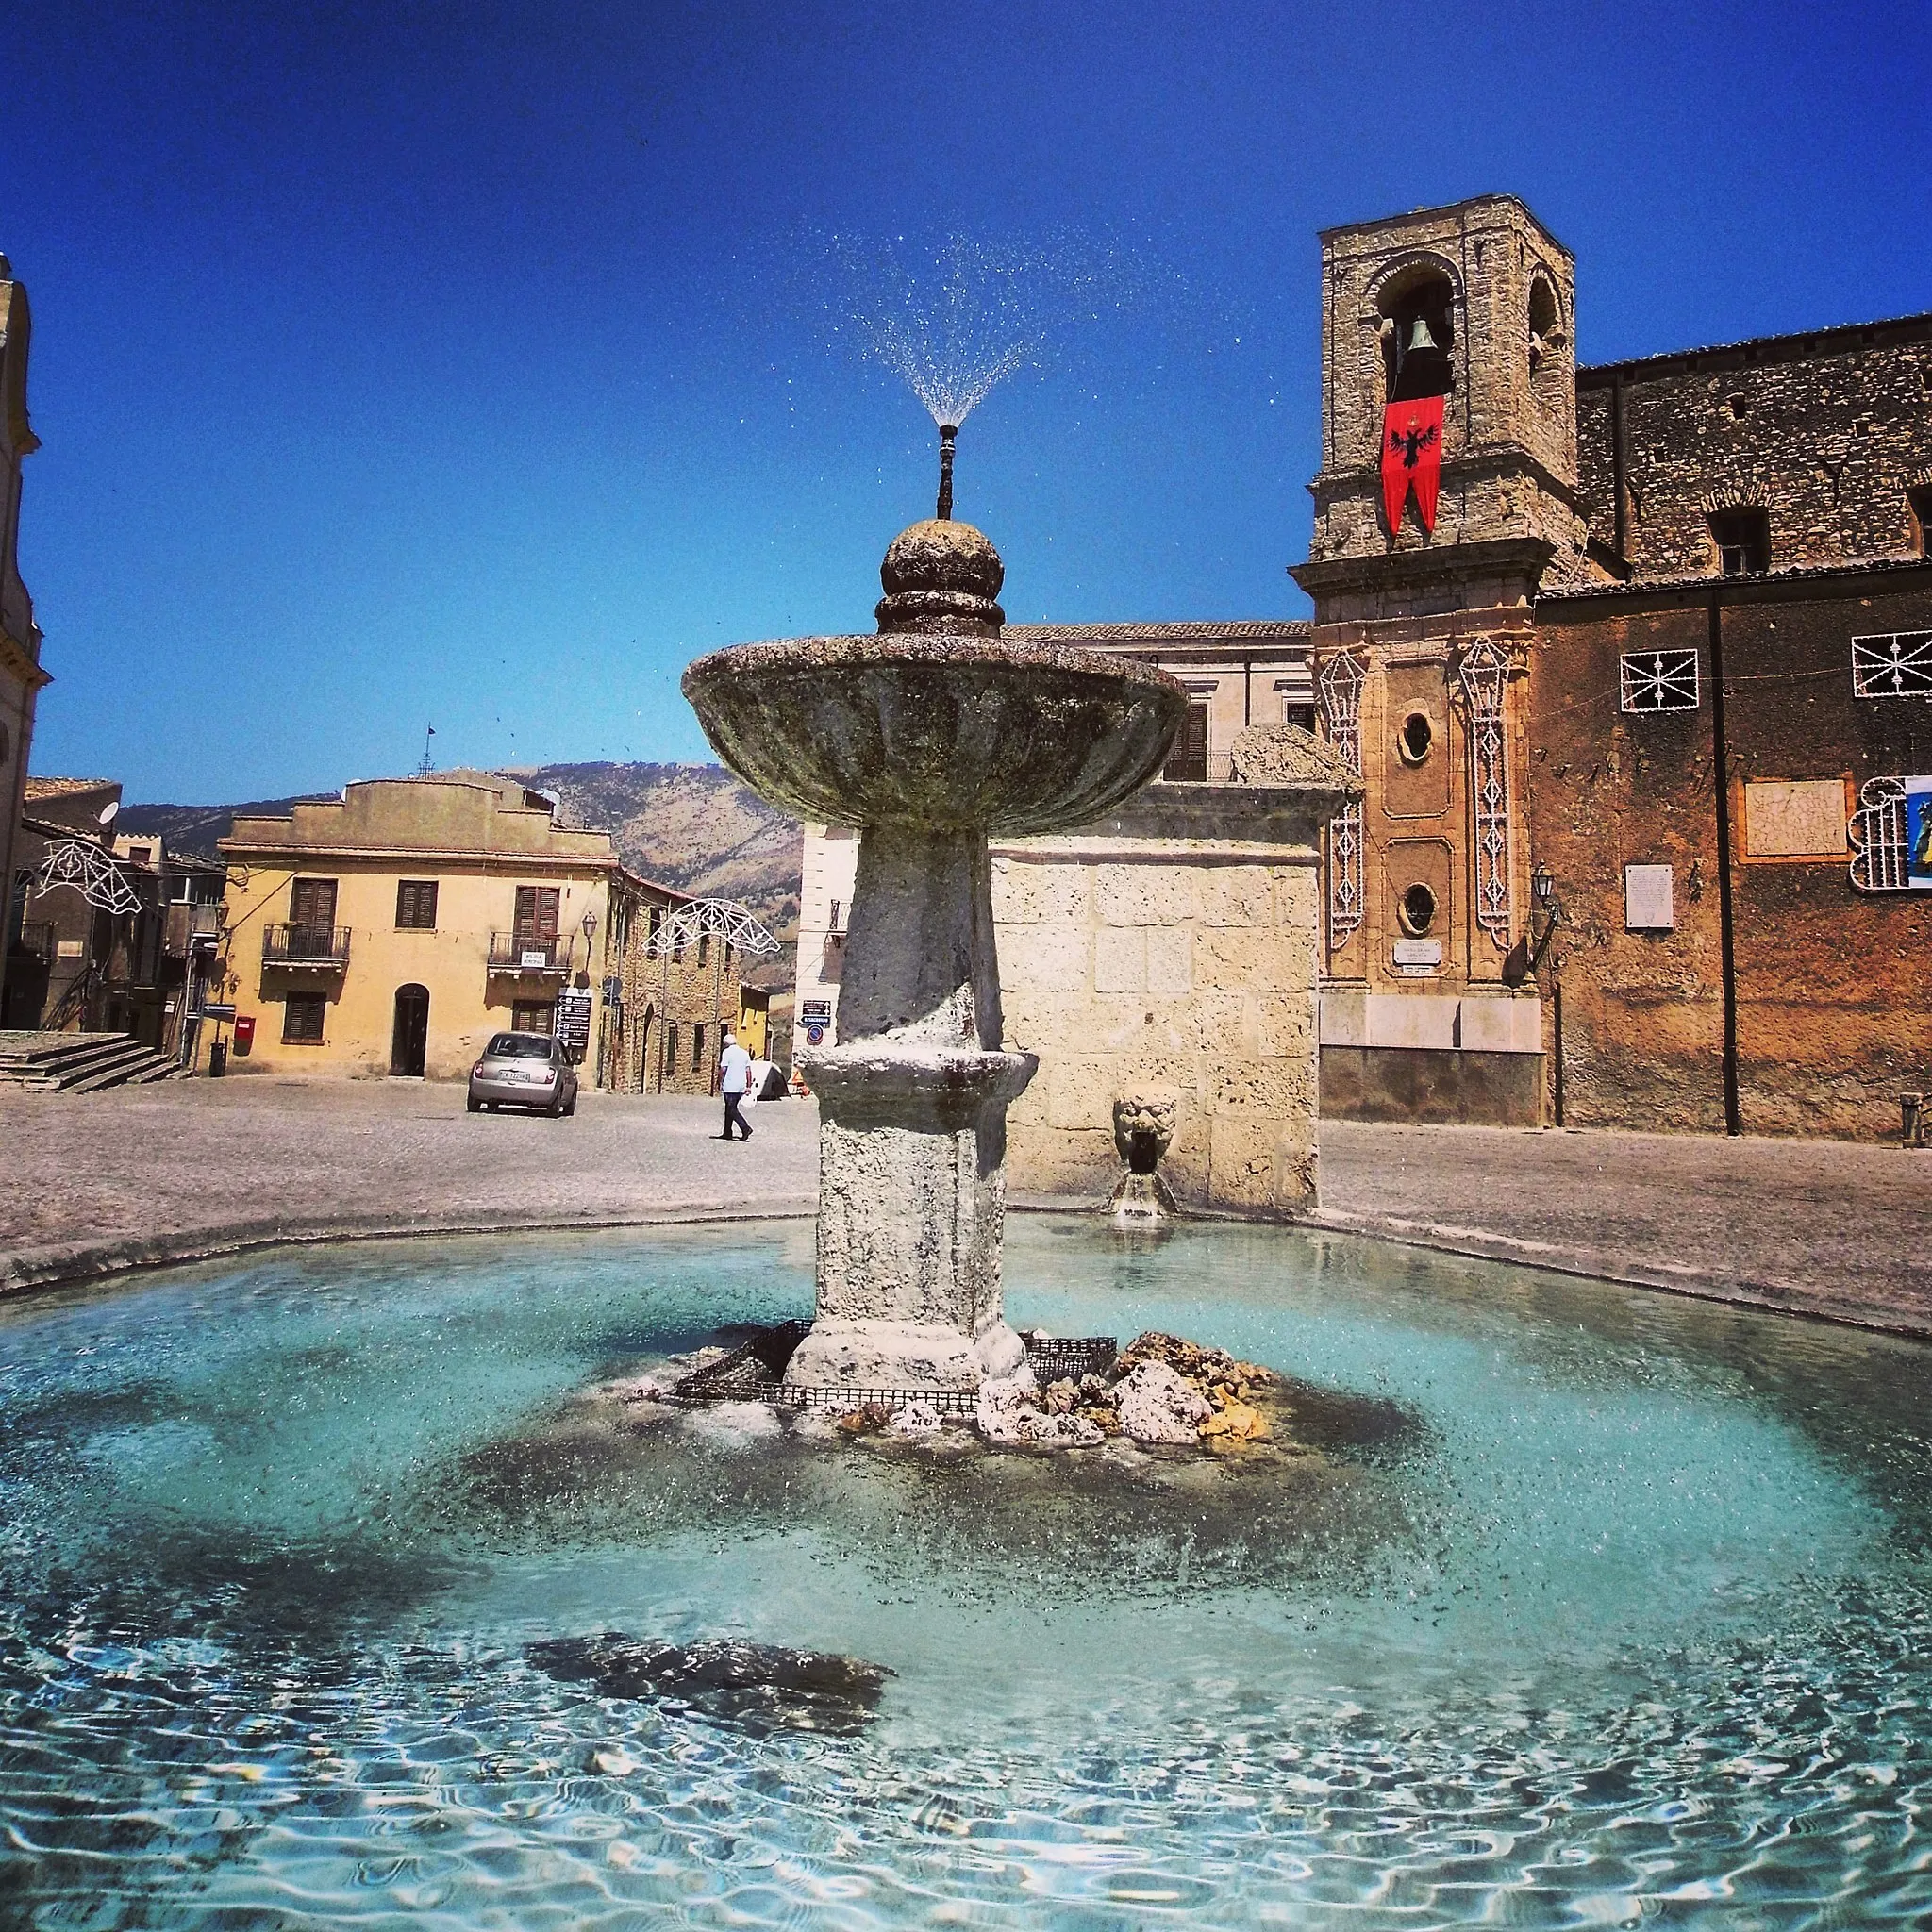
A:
(313, 910)
(536, 916)
(409, 1038)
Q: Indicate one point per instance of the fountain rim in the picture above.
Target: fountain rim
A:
(857, 651)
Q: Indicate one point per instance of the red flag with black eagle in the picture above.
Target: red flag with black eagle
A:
(1412, 458)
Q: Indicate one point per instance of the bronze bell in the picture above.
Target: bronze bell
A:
(1419, 337)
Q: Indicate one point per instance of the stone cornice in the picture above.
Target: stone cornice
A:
(1496, 557)
(20, 662)
(264, 851)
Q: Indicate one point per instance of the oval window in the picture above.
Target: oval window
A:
(1418, 910)
(1415, 737)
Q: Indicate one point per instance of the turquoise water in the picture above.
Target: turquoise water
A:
(1598, 1607)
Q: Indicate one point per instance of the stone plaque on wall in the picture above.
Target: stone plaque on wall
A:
(1649, 902)
(1795, 817)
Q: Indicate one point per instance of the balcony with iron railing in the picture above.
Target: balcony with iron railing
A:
(37, 939)
(519, 955)
(316, 948)
(1198, 768)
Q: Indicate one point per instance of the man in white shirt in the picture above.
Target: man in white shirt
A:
(734, 1069)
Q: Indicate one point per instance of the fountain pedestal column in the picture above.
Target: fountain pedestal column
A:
(912, 1134)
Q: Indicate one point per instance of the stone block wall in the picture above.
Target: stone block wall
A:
(1171, 947)
(1828, 433)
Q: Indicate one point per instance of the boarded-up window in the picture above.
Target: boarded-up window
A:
(1795, 818)
(1187, 762)
(533, 1016)
(416, 905)
(303, 1017)
(697, 1049)
(535, 914)
(671, 1049)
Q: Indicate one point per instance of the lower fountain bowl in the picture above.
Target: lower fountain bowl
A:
(950, 732)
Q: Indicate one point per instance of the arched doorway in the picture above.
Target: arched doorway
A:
(409, 1040)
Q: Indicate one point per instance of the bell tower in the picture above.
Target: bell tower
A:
(1472, 303)
(1447, 496)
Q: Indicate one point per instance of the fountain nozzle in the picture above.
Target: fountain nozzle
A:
(948, 436)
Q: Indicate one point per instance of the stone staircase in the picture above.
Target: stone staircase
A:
(79, 1063)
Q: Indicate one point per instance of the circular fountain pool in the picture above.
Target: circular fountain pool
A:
(1620, 1610)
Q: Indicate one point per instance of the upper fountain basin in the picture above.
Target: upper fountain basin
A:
(945, 732)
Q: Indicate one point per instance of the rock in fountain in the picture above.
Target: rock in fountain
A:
(927, 737)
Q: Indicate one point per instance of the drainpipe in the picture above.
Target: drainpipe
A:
(1720, 780)
(1557, 1029)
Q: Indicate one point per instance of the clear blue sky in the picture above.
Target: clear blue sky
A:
(442, 361)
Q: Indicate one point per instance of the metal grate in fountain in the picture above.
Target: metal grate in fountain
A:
(1067, 1357)
(751, 1371)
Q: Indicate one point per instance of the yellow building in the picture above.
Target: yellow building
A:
(393, 930)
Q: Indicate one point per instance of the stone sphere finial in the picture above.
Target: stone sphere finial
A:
(942, 578)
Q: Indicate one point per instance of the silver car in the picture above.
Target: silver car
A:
(525, 1070)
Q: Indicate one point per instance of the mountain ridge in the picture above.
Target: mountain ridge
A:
(693, 827)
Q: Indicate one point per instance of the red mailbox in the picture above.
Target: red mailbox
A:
(244, 1033)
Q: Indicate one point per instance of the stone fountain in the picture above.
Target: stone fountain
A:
(927, 737)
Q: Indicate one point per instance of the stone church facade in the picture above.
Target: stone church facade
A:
(1639, 717)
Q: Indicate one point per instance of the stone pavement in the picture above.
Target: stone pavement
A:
(193, 1168)
(1824, 1227)
(102, 1181)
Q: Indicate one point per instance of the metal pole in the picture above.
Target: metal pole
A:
(948, 433)
(663, 996)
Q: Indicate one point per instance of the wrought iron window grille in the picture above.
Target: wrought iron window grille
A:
(1484, 674)
(1340, 685)
(1893, 664)
(1658, 680)
(1880, 862)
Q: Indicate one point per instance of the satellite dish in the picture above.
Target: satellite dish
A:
(108, 811)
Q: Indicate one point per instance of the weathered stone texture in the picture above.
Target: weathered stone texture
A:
(1169, 965)
(1826, 432)
(1833, 1017)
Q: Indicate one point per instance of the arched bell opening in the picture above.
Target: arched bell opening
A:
(1419, 339)
(1547, 337)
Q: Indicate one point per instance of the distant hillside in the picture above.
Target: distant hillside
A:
(195, 828)
(692, 826)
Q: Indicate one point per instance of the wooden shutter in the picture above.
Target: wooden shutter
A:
(1187, 762)
(536, 915)
(312, 903)
(416, 905)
